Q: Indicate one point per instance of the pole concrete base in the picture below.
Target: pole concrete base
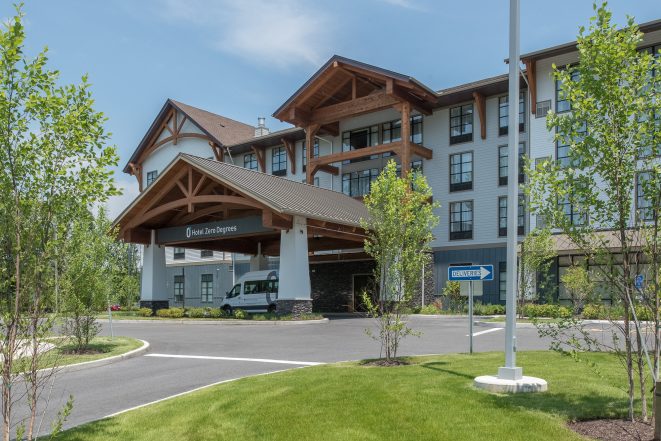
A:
(498, 385)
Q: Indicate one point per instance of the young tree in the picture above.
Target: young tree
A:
(400, 223)
(53, 166)
(609, 129)
(536, 257)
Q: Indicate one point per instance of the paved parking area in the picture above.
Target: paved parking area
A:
(183, 357)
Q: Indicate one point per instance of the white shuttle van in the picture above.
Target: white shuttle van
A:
(255, 291)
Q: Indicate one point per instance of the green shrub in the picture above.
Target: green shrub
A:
(213, 312)
(163, 313)
(431, 309)
(145, 312)
(240, 314)
(176, 312)
(481, 309)
(546, 310)
(195, 312)
(594, 312)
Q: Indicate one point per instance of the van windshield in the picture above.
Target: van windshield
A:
(236, 290)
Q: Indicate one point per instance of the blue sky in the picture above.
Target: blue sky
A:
(243, 58)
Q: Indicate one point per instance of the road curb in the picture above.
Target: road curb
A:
(101, 362)
(503, 324)
(227, 322)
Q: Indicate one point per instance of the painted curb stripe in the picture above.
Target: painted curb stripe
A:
(257, 360)
(475, 334)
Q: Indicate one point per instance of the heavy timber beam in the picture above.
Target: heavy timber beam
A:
(272, 220)
(261, 160)
(406, 139)
(531, 74)
(328, 169)
(310, 132)
(136, 170)
(421, 151)
(359, 106)
(291, 153)
(355, 154)
(480, 103)
(396, 92)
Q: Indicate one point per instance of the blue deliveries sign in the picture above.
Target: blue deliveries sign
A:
(474, 272)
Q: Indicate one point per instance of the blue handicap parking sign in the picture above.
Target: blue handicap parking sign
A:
(638, 281)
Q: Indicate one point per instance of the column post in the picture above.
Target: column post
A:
(405, 156)
(153, 293)
(294, 277)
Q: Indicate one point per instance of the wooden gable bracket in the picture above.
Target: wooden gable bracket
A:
(396, 92)
(218, 151)
(310, 132)
(261, 158)
(480, 103)
(291, 153)
(136, 170)
(531, 74)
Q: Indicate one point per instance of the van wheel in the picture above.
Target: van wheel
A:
(227, 309)
(271, 308)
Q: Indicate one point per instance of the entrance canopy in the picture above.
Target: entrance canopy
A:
(204, 204)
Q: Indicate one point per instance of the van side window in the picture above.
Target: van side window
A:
(252, 287)
(272, 286)
(236, 290)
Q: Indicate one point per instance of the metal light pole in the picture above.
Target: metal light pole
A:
(510, 371)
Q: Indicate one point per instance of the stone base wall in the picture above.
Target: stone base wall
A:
(294, 307)
(332, 284)
(155, 305)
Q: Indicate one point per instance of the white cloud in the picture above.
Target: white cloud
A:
(278, 32)
(116, 204)
(408, 4)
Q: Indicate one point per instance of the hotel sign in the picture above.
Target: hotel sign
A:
(212, 230)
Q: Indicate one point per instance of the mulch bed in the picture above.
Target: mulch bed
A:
(384, 363)
(614, 430)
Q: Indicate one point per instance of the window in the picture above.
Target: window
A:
(461, 220)
(644, 204)
(562, 149)
(391, 131)
(416, 129)
(179, 253)
(279, 161)
(206, 253)
(502, 280)
(561, 103)
(461, 171)
(206, 287)
(250, 161)
(571, 212)
(461, 124)
(503, 157)
(151, 177)
(359, 139)
(260, 286)
(315, 152)
(358, 183)
(503, 114)
(502, 216)
(179, 289)
(416, 167)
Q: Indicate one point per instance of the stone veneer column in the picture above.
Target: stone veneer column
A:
(294, 284)
(153, 293)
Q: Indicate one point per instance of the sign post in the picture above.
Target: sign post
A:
(470, 273)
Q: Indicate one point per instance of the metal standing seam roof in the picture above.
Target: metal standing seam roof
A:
(284, 195)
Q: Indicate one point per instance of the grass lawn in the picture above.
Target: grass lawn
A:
(432, 399)
(100, 347)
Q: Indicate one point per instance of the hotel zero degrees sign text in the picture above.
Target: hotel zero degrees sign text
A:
(211, 230)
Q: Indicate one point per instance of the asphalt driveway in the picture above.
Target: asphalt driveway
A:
(183, 357)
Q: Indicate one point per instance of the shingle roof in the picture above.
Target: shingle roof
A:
(284, 195)
(225, 130)
(222, 129)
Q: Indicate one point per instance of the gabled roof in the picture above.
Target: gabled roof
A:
(281, 195)
(356, 67)
(221, 129)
